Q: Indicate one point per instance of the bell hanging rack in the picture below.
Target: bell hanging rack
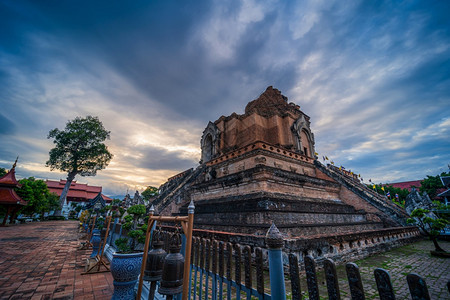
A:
(187, 224)
(99, 258)
(87, 244)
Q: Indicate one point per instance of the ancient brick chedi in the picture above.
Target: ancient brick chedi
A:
(270, 119)
(260, 167)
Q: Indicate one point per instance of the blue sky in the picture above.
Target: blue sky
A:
(374, 76)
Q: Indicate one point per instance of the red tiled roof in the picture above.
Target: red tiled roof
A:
(8, 196)
(7, 184)
(406, 184)
(77, 191)
(9, 179)
(106, 198)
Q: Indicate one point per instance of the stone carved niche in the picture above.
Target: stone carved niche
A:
(303, 137)
(210, 142)
(260, 160)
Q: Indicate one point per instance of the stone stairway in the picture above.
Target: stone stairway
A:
(175, 187)
(389, 208)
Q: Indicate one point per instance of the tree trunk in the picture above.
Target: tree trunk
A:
(64, 193)
(436, 245)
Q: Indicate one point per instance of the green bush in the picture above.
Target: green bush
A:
(123, 245)
(136, 231)
(431, 227)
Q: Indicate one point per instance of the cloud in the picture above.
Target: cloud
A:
(373, 77)
(6, 126)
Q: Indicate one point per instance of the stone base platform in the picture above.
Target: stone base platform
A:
(338, 247)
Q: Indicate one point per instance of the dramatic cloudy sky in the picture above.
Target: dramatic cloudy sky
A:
(373, 76)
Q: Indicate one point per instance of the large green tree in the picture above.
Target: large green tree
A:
(431, 184)
(79, 150)
(38, 197)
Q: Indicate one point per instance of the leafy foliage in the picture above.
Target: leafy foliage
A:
(100, 223)
(79, 149)
(2, 172)
(38, 197)
(402, 193)
(136, 210)
(430, 226)
(78, 208)
(123, 245)
(149, 193)
(442, 210)
(128, 222)
(431, 184)
(137, 234)
(136, 231)
(440, 206)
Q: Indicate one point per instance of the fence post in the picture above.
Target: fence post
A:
(275, 243)
(417, 287)
(384, 284)
(332, 280)
(354, 281)
(311, 278)
(259, 272)
(295, 279)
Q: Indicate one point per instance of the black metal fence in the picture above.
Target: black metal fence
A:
(222, 270)
(216, 271)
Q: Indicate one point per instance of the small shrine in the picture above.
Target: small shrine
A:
(96, 203)
(128, 201)
(8, 197)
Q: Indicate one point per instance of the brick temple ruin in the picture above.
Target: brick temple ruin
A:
(260, 168)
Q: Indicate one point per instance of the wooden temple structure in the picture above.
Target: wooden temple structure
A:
(8, 197)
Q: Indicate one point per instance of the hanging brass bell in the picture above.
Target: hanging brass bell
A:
(173, 268)
(155, 258)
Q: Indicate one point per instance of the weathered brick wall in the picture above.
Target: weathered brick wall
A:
(354, 200)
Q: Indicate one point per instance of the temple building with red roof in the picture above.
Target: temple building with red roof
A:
(8, 197)
(79, 193)
(406, 184)
(441, 192)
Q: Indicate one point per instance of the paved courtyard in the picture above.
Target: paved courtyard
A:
(42, 261)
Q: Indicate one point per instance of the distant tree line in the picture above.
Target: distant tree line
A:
(430, 185)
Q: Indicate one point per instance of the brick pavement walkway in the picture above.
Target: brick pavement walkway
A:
(41, 260)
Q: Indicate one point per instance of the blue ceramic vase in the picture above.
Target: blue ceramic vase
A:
(125, 269)
(95, 240)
